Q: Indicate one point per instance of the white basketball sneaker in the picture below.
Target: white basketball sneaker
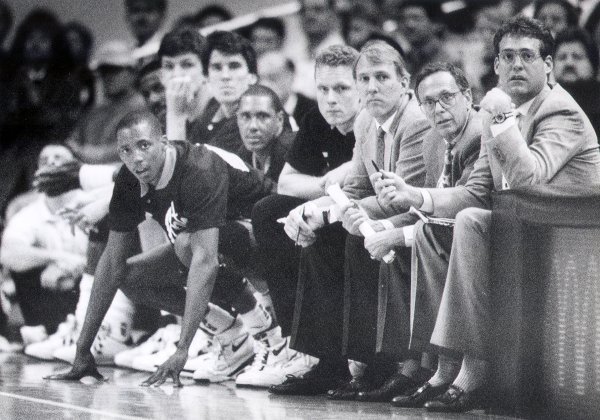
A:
(153, 344)
(230, 352)
(104, 348)
(66, 335)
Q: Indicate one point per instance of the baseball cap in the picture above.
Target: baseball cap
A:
(113, 53)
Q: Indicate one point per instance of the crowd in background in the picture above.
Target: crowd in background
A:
(58, 88)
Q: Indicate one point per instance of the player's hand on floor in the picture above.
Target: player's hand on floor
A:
(83, 366)
(169, 369)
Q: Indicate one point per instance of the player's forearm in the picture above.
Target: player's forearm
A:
(200, 283)
(299, 185)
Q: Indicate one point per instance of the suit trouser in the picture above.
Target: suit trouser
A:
(277, 257)
(431, 254)
(360, 301)
(318, 314)
(464, 319)
(393, 315)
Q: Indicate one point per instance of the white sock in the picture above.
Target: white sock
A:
(257, 321)
(472, 375)
(446, 372)
(216, 320)
(85, 290)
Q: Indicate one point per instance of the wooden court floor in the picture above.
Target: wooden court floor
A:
(25, 395)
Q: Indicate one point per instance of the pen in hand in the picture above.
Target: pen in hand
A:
(377, 169)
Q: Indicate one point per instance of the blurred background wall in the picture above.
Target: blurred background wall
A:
(106, 17)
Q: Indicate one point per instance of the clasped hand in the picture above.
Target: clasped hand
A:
(301, 223)
(392, 192)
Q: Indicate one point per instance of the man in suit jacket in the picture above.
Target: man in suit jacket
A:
(450, 149)
(546, 139)
(389, 132)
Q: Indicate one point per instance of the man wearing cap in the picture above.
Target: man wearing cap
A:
(94, 138)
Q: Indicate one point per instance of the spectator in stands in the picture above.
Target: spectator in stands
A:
(360, 23)
(450, 149)
(592, 24)
(576, 69)
(80, 41)
(322, 28)
(211, 15)
(42, 103)
(319, 157)
(533, 133)
(267, 34)
(145, 19)
(261, 121)
(418, 24)
(94, 138)
(390, 133)
(278, 72)
(44, 254)
(229, 63)
(556, 15)
(153, 91)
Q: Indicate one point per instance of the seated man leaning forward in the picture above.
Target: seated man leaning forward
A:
(533, 133)
(185, 188)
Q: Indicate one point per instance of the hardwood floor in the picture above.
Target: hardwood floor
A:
(25, 395)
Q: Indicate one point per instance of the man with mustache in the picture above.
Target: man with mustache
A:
(576, 68)
(533, 133)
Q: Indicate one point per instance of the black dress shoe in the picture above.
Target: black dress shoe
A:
(349, 390)
(418, 398)
(456, 400)
(398, 384)
(317, 381)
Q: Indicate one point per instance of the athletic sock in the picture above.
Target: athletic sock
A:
(410, 367)
(446, 372)
(216, 320)
(472, 375)
(257, 321)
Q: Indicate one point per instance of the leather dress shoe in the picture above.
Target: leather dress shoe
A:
(456, 400)
(418, 398)
(317, 381)
(349, 390)
(398, 384)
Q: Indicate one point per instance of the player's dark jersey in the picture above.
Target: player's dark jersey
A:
(196, 196)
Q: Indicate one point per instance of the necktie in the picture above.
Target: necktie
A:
(380, 151)
(446, 179)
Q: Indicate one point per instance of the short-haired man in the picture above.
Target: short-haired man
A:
(145, 19)
(388, 133)
(533, 133)
(277, 72)
(576, 69)
(261, 121)
(450, 149)
(229, 64)
(319, 156)
(267, 34)
(153, 91)
(185, 188)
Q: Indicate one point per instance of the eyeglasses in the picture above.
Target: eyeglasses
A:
(446, 101)
(527, 56)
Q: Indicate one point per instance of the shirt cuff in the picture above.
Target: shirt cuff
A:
(409, 235)
(387, 225)
(95, 176)
(498, 129)
(427, 206)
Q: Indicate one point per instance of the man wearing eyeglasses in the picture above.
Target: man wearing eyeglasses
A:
(533, 133)
(450, 149)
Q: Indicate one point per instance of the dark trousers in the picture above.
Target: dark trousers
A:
(41, 306)
(157, 278)
(277, 256)
(319, 314)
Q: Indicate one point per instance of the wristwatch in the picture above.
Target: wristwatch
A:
(500, 117)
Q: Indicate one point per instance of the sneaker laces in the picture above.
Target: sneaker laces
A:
(261, 356)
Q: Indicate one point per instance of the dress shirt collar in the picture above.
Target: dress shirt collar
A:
(387, 124)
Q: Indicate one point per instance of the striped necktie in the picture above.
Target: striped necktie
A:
(380, 151)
